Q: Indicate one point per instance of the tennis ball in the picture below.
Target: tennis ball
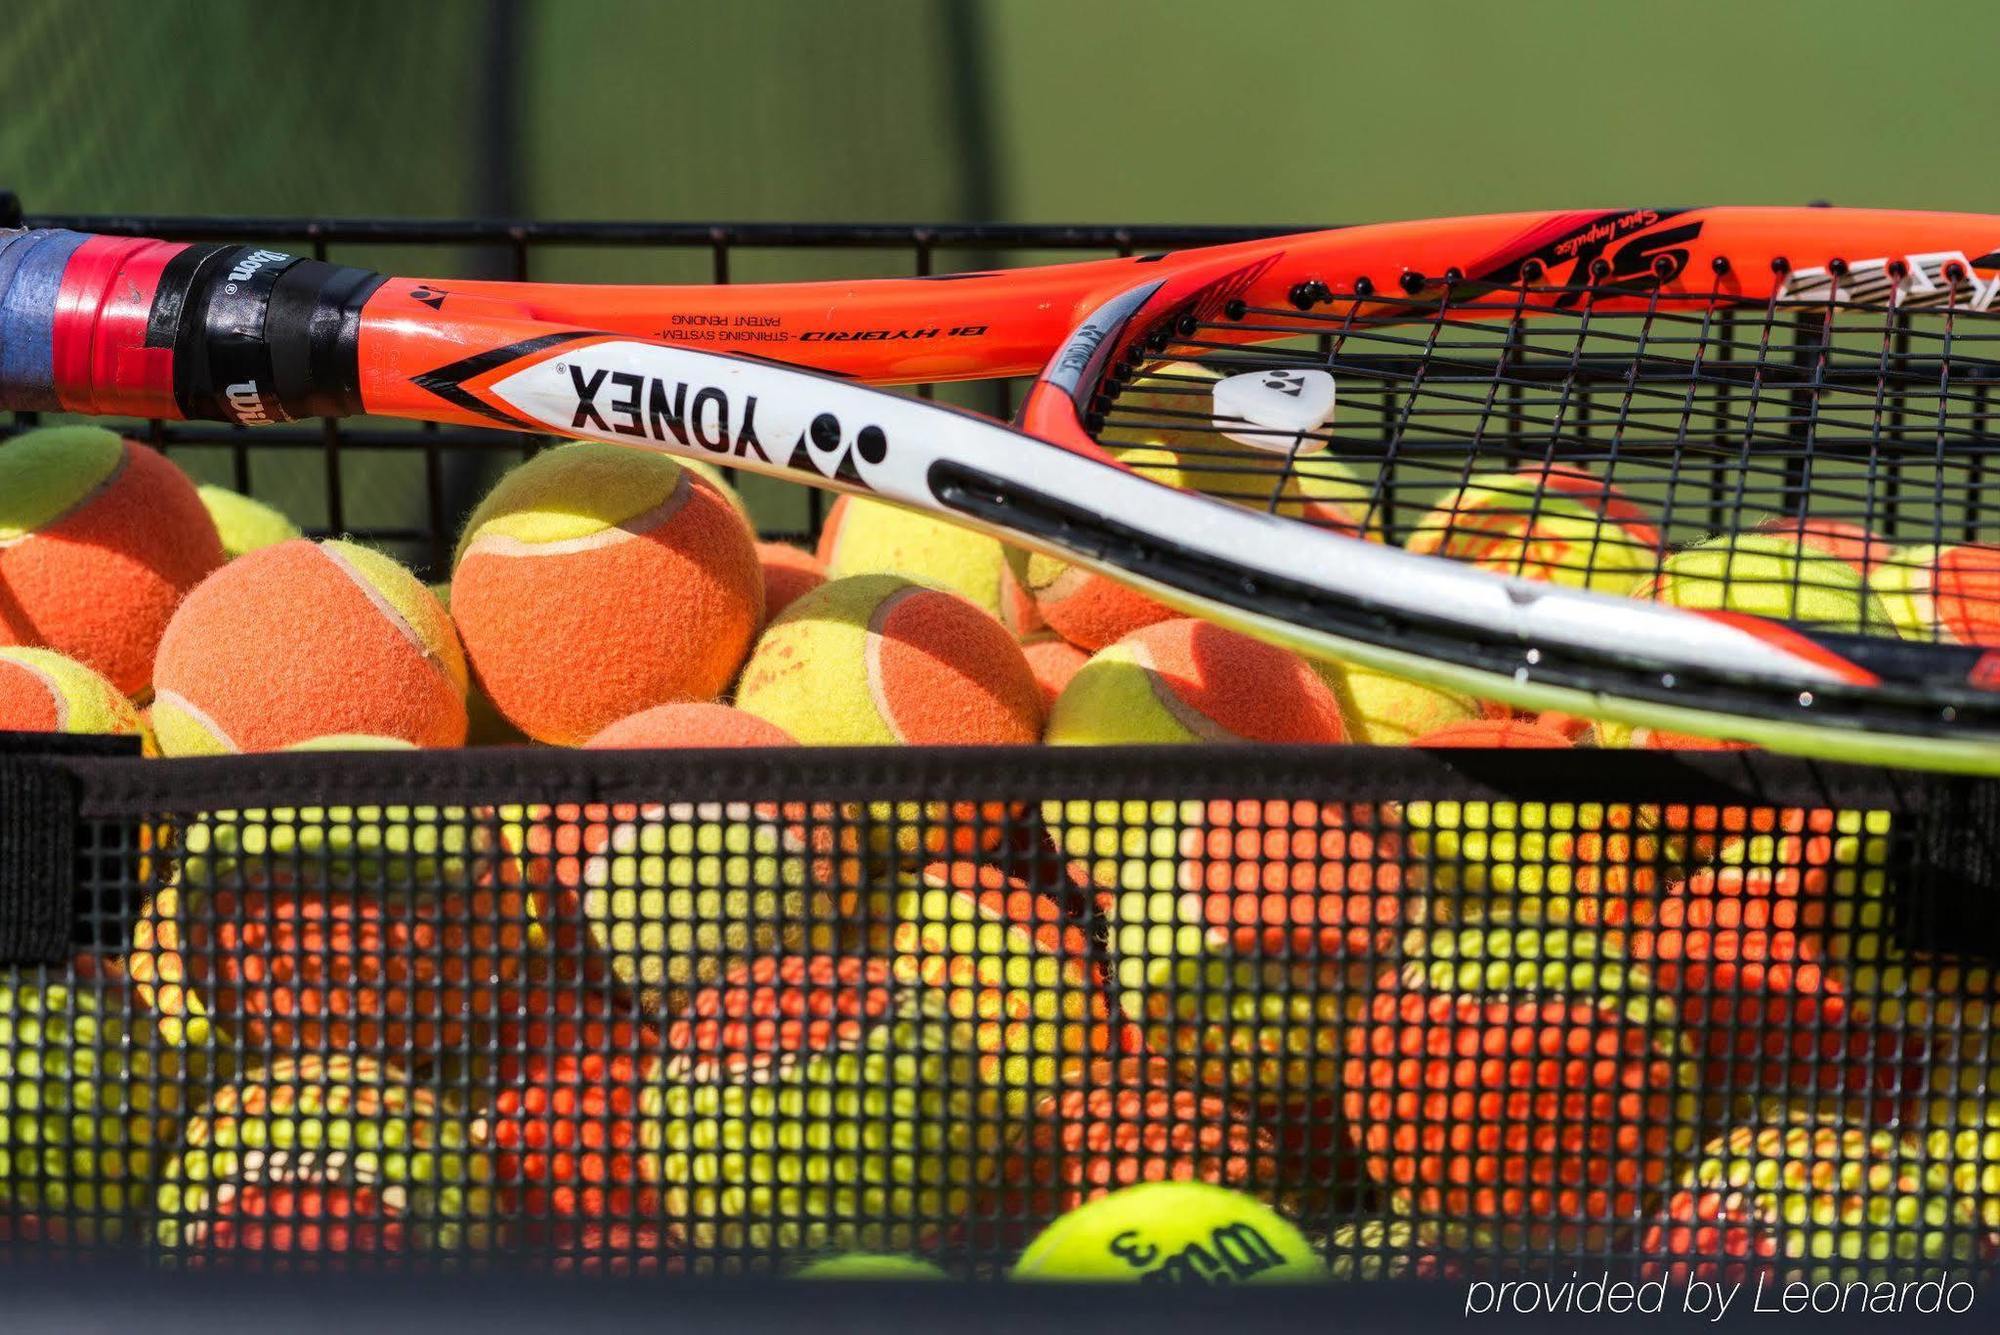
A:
(1094, 611)
(1190, 681)
(1372, 1249)
(715, 478)
(1610, 733)
(1773, 968)
(1120, 845)
(1011, 965)
(689, 723)
(243, 524)
(1963, 1134)
(1054, 661)
(1129, 1120)
(1510, 734)
(789, 573)
(1381, 709)
(323, 1155)
(87, 1106)
(1547, 862)
(1561, 525)
(1188, 1233)
(1947, 595)
(100, 538)
(307, 640)
(484, 724)
(1813, 1199)
(867, 537)
(376, 928)
(595, 581)
(1839, 538)
(879, 659)
(1768, 575)
(1531, 1115)
(42, 691)
(563, 1133)
(1245, 968)
(870, 1265)
(820, 1103)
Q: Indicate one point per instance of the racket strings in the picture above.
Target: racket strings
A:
(1817, 460)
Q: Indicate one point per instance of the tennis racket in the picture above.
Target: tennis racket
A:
(1565, 396)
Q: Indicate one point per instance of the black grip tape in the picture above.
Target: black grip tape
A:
(38, 860)
(267, 337)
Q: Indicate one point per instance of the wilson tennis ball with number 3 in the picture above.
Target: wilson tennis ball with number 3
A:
(1186, 1233)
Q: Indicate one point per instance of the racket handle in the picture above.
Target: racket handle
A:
(129, 326)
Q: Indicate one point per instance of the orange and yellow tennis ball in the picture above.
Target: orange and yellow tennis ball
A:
(1561, 525)
(1506, 734)
(1945, 595)
(42, 691)
(1190, 681)
(1129, 1120)
(595, 581)
(308, 639)
(366, 929)
(1243, 963)
(1526, 1115)
(1770, 967)
(315, 1157)
(1009, 964)
(100, 539)
(689, 723)
(817, 1103)
(1768, 575)
(789, 574)
(1054, 661)
(880, 659)
(243, 523)
(1382, 709)
(866, 537)
(1839, 538)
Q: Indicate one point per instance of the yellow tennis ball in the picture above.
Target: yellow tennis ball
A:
(243, 524)
(42, 691)
(1768, 575)
(864, 537)
(1560, 525)
(870, 1265)
(1187, 1233)
(1382, 709)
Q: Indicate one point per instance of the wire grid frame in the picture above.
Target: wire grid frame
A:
(1833, 441)
(1442, 1038)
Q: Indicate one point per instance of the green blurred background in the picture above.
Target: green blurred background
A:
(1045, 110)
(1159, 111)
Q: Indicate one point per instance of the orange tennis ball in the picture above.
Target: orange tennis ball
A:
(1190, 681)
(1838, 538)
(1054, 661)
(100, 538)
(878, 659)
(1508, 733)
(306, 640)
(1562, 525)
(789, 574)
(596, 581)
(41, 691)
(1948, 595)
(689, 723)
